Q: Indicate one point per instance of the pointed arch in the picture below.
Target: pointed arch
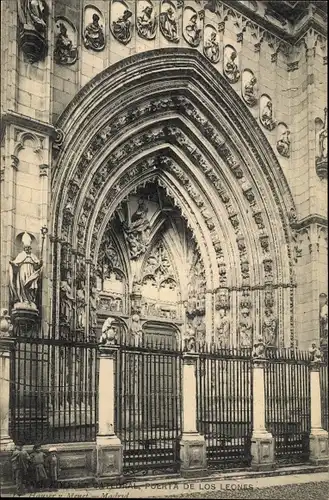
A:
(167, 116)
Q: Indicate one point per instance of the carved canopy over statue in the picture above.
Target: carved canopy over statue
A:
(25, 272)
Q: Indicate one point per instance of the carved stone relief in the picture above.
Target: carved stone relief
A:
(121, 21)
(168, 21)
(249, 90)
(137, 231)
(93, 34)
(270, 322)
(147, 20)
(33, 26)
(192, 28)
(266, 112)
(211, 45)
(283, 141)
(65, 51)
(231, 64)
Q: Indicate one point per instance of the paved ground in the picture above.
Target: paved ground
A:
(292, 487)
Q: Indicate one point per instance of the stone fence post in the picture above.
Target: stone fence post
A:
(318, 437)
(108, 445)
(192, 444)
(262, 442)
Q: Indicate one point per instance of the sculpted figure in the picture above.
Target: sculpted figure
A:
(136, 330)
(323, 316)
(122, 27)
(245, 328)
(34, 12)
(94, 35)
(81, 313)
(231, 68)
(283, 144)
(137, 233)
(315, 352)
(259, 348)
(189, 338)
(211, 48)
(168, 25)
(25, 272)
(267, 116)
(249, 91)
(64, 52)
(223, 328)
(66, 299)
(323, 139)
(6, 326)
(193, 31)
(147, 23)
(109, 334)
(270, 327)
(93, 302)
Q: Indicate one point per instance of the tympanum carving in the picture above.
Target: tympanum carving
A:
(33, 19)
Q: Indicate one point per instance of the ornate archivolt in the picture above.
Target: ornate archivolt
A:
(207, 152)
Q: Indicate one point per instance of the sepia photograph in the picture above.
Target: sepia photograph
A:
(164, 249)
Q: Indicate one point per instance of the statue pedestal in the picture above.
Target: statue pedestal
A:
(32, 43)
(25, 317)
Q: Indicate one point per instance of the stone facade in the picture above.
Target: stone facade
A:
(176, 154)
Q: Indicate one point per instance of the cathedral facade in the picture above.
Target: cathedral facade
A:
(165, 161)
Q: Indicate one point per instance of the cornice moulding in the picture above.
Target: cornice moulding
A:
(311, 219)
(14, 118)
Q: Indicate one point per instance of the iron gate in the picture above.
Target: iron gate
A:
(324, 395)
(287, 403)
(148, 405)
(224, 405)
(53, 396)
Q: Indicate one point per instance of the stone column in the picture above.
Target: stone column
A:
(318, 437)
(262, 442)
(192, 444)
(108, 445)
(6, 344)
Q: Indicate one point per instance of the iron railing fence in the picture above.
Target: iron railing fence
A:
(53, 390)
(324, 395)
(148, 407)
(224, 404)
(287, 403)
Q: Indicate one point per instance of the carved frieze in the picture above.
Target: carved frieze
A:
(147, 20)
(93, 34)
(65, 50)
(192, 27)
(266, 112)
(231, 64)
(121, 21)
(283, 141)
(211, 46)
(249, 91)
(168, 21)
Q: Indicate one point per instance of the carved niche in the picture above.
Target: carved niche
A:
(147, 20)
(93, 33)
(249, 90)
(121, 21)
(231, 64)
(266, 112)
(283, 141)
(159, 287)
(65, 51)
(211, 46)
(168, 21)
(192, 28)
(33, 27)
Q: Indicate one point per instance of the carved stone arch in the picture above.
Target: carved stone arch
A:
(231, 137)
